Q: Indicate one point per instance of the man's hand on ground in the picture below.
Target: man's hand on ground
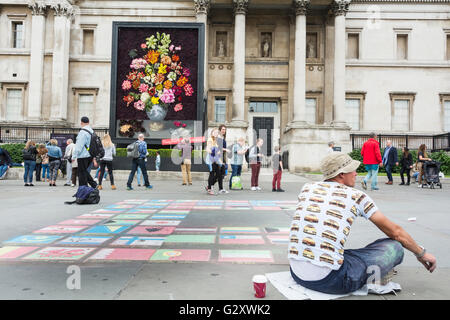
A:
(429, 262)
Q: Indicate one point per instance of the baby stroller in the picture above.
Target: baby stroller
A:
(431, 172)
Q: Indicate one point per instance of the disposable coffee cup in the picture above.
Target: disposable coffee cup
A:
(259, 285)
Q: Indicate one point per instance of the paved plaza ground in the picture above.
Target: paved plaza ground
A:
(239, 235)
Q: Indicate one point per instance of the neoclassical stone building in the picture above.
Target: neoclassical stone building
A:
(306, 71)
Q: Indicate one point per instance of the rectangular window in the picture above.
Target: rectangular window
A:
(86, 106)
(448, 46)
(353, 46)
(220, 109)
(352, 111)
(402, 46)
(447, 115)
(14, 105)
(88, 41)
(400, 117)
(267, 107)
(311, 108)
(17, 34)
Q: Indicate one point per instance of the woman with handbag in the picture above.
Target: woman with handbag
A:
(106, 161)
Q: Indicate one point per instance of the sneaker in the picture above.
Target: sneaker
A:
(211, 192)
(401, 184)
(26, 185)
(375, 188)
(113, 187)
(280, 190)
(130, 188)
(258, 188)
(96, 180)
(253, 188)
(149, 186)
(274, 190)
(223, 191)
(99, 187)
(72, 185)
(31, 185)
(419, 186)
(139, 185)
(364, 185)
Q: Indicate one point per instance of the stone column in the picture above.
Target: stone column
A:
(298, 119)
(60, 67)
(240, 10)
(201, 10)
(39, 11)
(339, 8)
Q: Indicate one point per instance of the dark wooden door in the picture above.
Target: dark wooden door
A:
(264, 127)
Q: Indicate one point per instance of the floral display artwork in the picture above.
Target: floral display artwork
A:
(157, 77)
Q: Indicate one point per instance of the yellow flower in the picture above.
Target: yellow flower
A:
(159, 87)
(162, 69)
(155, 100)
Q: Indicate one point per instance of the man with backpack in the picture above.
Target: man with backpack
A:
(138, 151)
(85, 150)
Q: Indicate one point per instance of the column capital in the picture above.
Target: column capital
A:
(301, 7)
(340, 7)
(240, 6)
(63, 8)
(38, 8)
(202, 6)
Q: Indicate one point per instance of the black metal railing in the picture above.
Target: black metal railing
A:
(14, 134)
(433, 142)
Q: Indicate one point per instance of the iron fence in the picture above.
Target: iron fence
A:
(14, 134)
(433, 142)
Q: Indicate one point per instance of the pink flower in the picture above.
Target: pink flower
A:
(126, 85)
(177, 123)
(138, 63)
(177, 90)
(143, 87)
(186, 72)
(143, 46)
(171, 47)
(188, 90)
(168, 96)
(178, 107)
(184, 125)
(178, 48)
(139, 105)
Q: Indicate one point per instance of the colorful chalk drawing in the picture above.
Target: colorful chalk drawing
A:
(277, 230)
(160, 223)
(127, 216)
(33, 239)
(240, 239)
(106, 230)
(279, 239)
(59, 253)
(140, 211)
(85, 240)
(122, 254)
(267, 208)
(12, 252)
(139, 241)
(114, 222)
(95, 216)
(206, 208)
(245, 256)
(123, 206)
(150, 230)
(181, 255)
(83, 222)
(166, 216)
(239, 230)
(109, 211)
(191, 238)
(60, 229)
(174, 212)
(196, 230)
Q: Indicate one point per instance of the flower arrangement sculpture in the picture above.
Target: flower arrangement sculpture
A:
(157, 78)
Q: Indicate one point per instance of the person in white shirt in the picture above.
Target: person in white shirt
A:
(68, 158)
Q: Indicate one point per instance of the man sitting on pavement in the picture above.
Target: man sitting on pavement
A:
(321, 225)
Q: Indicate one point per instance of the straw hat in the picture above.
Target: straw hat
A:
(337, 162)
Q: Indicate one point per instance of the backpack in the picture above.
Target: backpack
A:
(247, 154)
(95, 149)
(133, 150)
(85, 195)
(27, 154)
(230, 154)
(236, 183)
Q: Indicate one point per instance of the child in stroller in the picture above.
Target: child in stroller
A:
(431, 171)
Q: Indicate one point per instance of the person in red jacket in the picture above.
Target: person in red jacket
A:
(371, 158)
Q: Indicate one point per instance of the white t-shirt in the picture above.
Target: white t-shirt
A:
(322, 222)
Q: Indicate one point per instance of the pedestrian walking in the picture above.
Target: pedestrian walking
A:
(237, 159)
(106, 161)
(5, 162)
(406, 164)
(277, 166)
(255, 158)
(68, 159)
(157, 161)
(317, 258)
(29, 157)
(54, 158)
(390, 159)
(186, 160)
(213, 159)
(371, 158)
(222, 144)
(422, 156)
(82, 155)
(140, 161)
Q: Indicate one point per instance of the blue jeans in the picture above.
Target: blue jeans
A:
(3, 169)
(372, 172)
(388, 168)
(139, 175)
(45, 168)
(134, 165)
(29, 169)
(235, 171)
(353, 274)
